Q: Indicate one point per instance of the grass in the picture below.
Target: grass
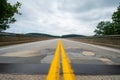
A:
(10, 40)
(113, 41)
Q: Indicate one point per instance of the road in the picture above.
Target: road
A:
(33, 60)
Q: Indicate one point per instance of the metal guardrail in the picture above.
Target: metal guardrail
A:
(101, 37)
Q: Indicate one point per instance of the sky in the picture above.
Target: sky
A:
(61, 17)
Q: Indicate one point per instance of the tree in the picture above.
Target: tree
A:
(7, 12)
(101, 28)
(116, 20)
(105, 28)
(108, 28)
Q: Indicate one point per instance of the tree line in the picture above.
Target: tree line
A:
(109, 28)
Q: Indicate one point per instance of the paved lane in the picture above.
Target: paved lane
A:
(27, 53)
(43, 51)
(87, 60)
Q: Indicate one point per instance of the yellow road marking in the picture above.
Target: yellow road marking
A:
(68, 73)
(54, 71)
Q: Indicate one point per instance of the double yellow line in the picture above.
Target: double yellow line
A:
(54, 71)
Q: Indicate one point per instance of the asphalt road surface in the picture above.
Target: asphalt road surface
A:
(32, 60)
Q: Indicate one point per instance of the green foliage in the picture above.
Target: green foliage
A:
(103, 28)
(116, 20)
(109, 28)
(100, 28)
(7, 12)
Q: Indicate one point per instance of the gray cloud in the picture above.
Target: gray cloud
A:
(86, 5)
(60, 17)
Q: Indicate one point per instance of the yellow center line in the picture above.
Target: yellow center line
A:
(54, 71)
(68, 73)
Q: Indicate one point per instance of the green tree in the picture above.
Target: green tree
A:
(104, 28)
(7, 12)
(108, 28)
(100, 28)
(116, 21)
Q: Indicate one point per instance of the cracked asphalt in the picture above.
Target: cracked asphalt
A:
(32, 60)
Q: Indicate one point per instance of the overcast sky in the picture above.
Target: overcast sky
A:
(59, 17)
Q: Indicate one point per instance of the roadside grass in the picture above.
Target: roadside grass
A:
(10, 40)
(113, 41)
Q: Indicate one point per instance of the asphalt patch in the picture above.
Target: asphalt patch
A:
(43, 68)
